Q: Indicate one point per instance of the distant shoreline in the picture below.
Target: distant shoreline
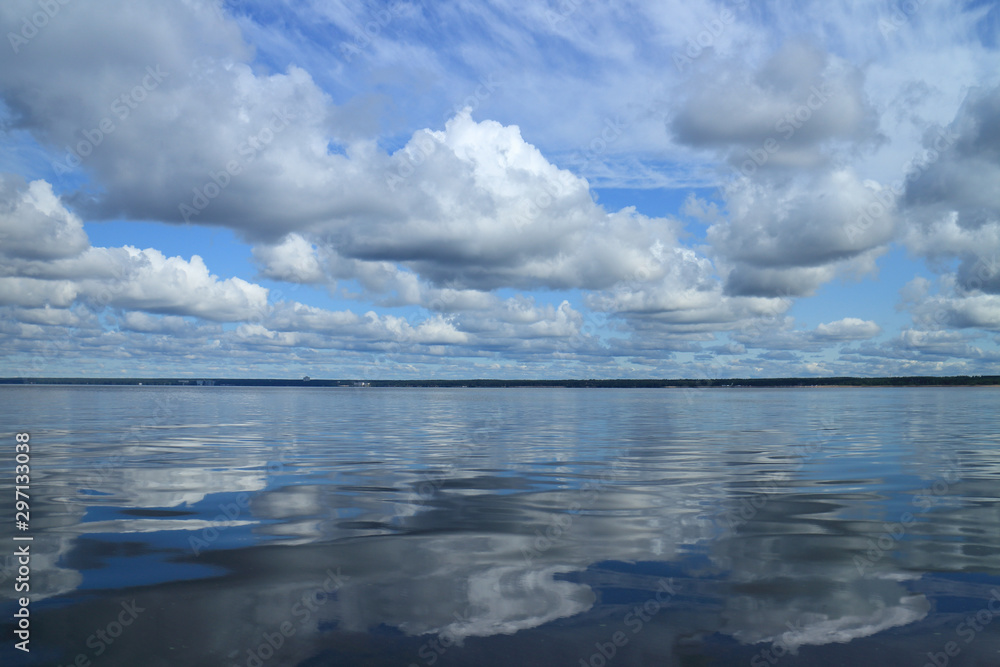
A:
(687, 383)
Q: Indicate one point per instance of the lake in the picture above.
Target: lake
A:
(415, 527)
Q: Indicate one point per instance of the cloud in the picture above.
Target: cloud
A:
(788, 239)
(33, 293)
(784, 126)
(152, 296)
(124, 277)
(172, 285)
(981, 311)
(180, 74)
(410, 178)
(780, 115)
(293, 260)
(779, 335)
(853, 617)
(729, 349)
(953, 211)
(933, 350)
(49, 316)
(34, 224)
(473, 205)
(849, 328)
(500, 215)
(171, 325)
(470, 206)
(963, 164)
(957, 309)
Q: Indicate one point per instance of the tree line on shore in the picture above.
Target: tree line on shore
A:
(623, 383)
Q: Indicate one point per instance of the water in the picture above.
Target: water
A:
(278, 526)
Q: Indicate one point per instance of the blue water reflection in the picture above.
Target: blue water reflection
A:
(529, 526)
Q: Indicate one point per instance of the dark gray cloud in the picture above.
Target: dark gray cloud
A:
(780, 115)
(962, 163)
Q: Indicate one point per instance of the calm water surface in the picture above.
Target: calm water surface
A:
(258, 526)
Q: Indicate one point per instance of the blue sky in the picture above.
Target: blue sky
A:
(492, 189)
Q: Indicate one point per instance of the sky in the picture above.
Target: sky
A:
(497, 189)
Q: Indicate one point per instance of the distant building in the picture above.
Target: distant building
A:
(205, 383)
(305, 378)
(361, 383)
